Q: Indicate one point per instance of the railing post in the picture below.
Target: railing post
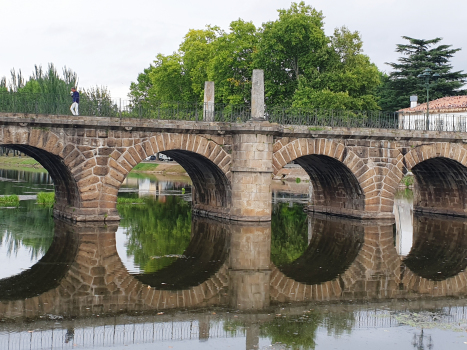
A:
(208, 107)
(257, 95)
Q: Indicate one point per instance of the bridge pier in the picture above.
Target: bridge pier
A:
(251, 177)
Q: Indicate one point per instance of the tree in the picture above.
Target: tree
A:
(290, 47)
(347, 79)
(416, 56)
(303, 67)
(47, 91)
(231, 65)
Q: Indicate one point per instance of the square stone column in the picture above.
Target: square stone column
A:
(257, 95)
(208, 109)
(251, 177)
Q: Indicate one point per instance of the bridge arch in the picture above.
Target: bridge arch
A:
(440, 171)
(342, 182)
(70, 165)
(206, 162)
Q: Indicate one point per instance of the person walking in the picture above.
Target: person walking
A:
(74, 105)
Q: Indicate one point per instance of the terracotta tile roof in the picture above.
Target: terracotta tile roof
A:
(445, 104)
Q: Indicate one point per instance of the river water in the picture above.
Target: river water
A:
(161, 278)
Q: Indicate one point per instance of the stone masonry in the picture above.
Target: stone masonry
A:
(353, 172)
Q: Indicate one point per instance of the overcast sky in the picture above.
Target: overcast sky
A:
(108, 43)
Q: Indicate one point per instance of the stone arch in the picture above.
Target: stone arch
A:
(206, 162)
(74, 169)
(342, 182)
(440, 171)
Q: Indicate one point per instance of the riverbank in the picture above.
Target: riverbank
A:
(19, 162)
(160, 167)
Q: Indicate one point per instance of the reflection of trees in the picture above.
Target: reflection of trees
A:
(289, 233)
(299, 332)
(29, 226)
(156, 230)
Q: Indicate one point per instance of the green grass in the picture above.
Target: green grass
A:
(145, 167)
(11, 200)
(29, 161)
(130, 201)
(46, 198)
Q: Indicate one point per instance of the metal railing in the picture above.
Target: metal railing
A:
(331, 118)
(315, 119)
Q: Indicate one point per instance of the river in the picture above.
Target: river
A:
(162, 278)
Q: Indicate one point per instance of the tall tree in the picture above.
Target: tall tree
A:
(289, 47)
(231, 65)
(346, 80)
(303, 66)
(416, 56)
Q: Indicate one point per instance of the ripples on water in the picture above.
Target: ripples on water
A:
(309, 278)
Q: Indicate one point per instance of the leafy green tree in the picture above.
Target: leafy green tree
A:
(232, 64)
(47, 91)
(416, 56)
(303, 67)
(348, 80)
(290, 47)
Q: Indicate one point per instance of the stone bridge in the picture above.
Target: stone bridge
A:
(353, 172)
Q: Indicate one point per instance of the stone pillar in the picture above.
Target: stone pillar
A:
(208, 109)
(257, 95)
(251, 177)
(249, 263)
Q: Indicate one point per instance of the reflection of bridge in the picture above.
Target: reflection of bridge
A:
(227, 265)
(354, 172)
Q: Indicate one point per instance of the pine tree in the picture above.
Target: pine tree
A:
(416, 56)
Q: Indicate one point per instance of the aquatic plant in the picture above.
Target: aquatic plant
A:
(46, 198)
(8, 201)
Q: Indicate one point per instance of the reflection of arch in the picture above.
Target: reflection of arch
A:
(437, 260)
(441, 178)
(48, 272)
(204, 256)
(439, 250)
(96, 281)
(207, 164)
(333, 247)
(342, 182)
(372, 274)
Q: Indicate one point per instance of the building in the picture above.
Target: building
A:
(445, 114)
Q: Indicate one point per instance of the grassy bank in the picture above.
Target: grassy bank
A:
(19, 162)
(145, 167)
(159, 168)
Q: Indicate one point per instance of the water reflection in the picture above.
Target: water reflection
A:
(333, 245)
(285, 282)
(439, 250)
